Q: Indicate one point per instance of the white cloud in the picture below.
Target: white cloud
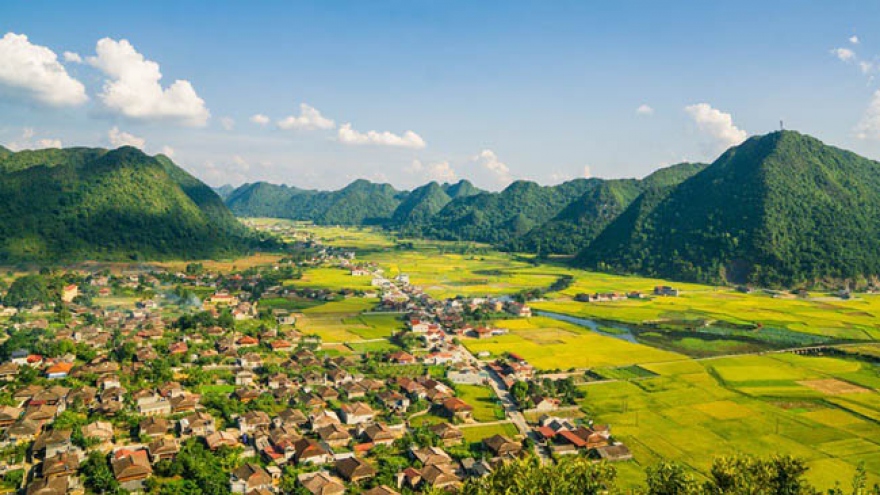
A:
(228, 123)
(588, 172)
(489, 160)
(844, 54)
(309, 119)
(167, 151)
(26, 141)
(48, 143)
(854, 39)
(409, 139)
(119, 138)
(866, 67)
(260, 119)
(134, 91)
(717, 124)
(439, 171)
(34, 71)
(869, 126)
(72, 58)
(644, 109)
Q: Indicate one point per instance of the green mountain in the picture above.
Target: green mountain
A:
(420, 205)
(584, 219)
(499, 217)
(361, 202)
(224, 191)
(461, 189)
(779, 210)
(262, 199)
(78, 203)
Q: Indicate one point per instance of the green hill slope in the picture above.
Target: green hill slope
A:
(83, 203)
(780, 209)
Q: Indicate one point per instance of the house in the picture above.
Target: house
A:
(131, 468)
(220, 438)
(309, 451)
(334, 435)
(323, 418)
(69, 293)
(356, 413)
(448, 434)
(544, 404)
(57, 485)
(379, 434)
(52, 442)
(100, 430)
(501, 446)
(665, 290)
(440, 476)
(61, 464)
(321, 483)
(253, 420)
(617, 452)
(58, 370)
(354, 470)
(197, 424)
(154, 427)
(9, 415)
(250, 477)
(153, 405)
(456, 408)
(163, 449)
(381, 490)
(401, 357)
(430, 456)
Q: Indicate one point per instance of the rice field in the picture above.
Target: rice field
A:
(551, 344)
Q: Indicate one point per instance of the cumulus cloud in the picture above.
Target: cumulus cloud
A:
(33, 71)
(167, 151)
(119, 138)
(439, 171)
(27, 141)
(309, 119)
(489, 160)
(844, 54)
(72, 58)
(228, 123)
(854, 39)
(409, 139)
(260, 119)
(869, 126)
(133, 87)
(716, 124)
(644, 109)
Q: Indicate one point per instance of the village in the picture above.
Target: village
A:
(241, 399)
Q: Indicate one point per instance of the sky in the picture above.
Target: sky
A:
(318, 94)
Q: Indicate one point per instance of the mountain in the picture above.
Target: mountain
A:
(461, 189)
(361, 202)
(89, 203)
(224, 191)
(262, 199)
(781, 209)
(585, 218)
(420, 205)
(499, 217)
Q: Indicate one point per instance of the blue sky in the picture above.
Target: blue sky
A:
(489, 91)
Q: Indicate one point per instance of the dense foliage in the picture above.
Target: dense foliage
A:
(77, 203)
(731, 475)
(780, 209)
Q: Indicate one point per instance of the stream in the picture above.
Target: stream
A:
(625, 332)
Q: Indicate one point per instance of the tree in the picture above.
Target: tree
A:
(27, 291)
(97, 474)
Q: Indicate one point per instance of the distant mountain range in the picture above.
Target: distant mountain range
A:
(781, 209)
(91, 203)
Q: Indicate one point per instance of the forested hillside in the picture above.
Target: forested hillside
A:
(89, 203)
(780, 209)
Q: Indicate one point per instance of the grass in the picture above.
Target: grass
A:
(474, 434)
(483, 400)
